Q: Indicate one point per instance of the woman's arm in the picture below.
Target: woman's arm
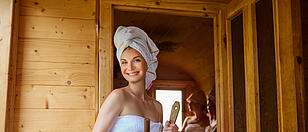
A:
(109, 111)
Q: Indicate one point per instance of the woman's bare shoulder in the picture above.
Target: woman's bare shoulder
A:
(157, 104)
(117, 95)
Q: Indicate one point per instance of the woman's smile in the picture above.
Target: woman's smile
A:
(133, 73)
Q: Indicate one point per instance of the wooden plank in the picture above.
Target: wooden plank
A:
(217, 42)
(165, 11)
(251, 69)
(299, 67)
(189, 5)
(285, 65)
(12, 71)
(55, 97)
(230, 77)
(82, 9)
(56, 28)
(50, 50)
(46, 73)
(6, 16)
(236, 6)
(222, 91)
(97, 64)
(105, 52)
(43, 120)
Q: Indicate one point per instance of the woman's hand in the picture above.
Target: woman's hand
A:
(170, 127)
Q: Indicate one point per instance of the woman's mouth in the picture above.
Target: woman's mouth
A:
(132, 74)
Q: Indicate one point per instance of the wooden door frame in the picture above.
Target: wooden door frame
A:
(289, 70)
(8, 57)
(176, 7)
(247, 9)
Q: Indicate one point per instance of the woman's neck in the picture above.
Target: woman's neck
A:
(138, 89)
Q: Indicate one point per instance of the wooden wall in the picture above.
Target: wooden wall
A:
(56, 87)
(6, 16)
(304, 18)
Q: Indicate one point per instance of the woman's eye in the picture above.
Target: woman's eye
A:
(122, 63)
(138, 60)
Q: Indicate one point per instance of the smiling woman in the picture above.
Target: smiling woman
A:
(136, 53)
(133, 66)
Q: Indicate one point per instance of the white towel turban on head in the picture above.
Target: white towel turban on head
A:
(137, 39)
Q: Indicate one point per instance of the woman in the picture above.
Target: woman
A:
(125, 109)
(197, 105)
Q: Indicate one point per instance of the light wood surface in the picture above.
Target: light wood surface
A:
(47, 73)
(251, 69)
(6, 16)
(56, 28)
(55, 97)
(55, 85)
(49, 120)
(105, 52)
(49, 50)
(81, 9)
(185, 5)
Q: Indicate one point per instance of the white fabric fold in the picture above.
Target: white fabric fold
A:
(137, 39)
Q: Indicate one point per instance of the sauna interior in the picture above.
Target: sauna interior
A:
(58, 64)
(186, 55)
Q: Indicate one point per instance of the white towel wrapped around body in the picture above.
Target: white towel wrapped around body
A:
(137, 39)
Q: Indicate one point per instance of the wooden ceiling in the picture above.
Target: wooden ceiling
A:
(185, 43)
(219, 1)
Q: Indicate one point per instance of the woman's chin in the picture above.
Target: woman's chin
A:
(134, 80)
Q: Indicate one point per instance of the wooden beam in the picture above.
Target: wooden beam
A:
(165, 11)
(105, 51)
(251, 69)
(299, 66)
(185, 5)
(222, 90)
(285, 65)
(12, 71)
(230, 105)
(235, 6)
(6, 23)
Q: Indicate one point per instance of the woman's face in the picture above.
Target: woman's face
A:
(133, 66)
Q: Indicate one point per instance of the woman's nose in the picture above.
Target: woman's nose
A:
(130, 66)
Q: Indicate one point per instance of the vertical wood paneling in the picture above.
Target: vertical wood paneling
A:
(251, 69)
(6, 9)
(56, 66)
(285, 65)
(105, 51)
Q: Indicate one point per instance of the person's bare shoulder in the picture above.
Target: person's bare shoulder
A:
(158, 107)
(117, 95)
(157, 104)
(189, 119)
